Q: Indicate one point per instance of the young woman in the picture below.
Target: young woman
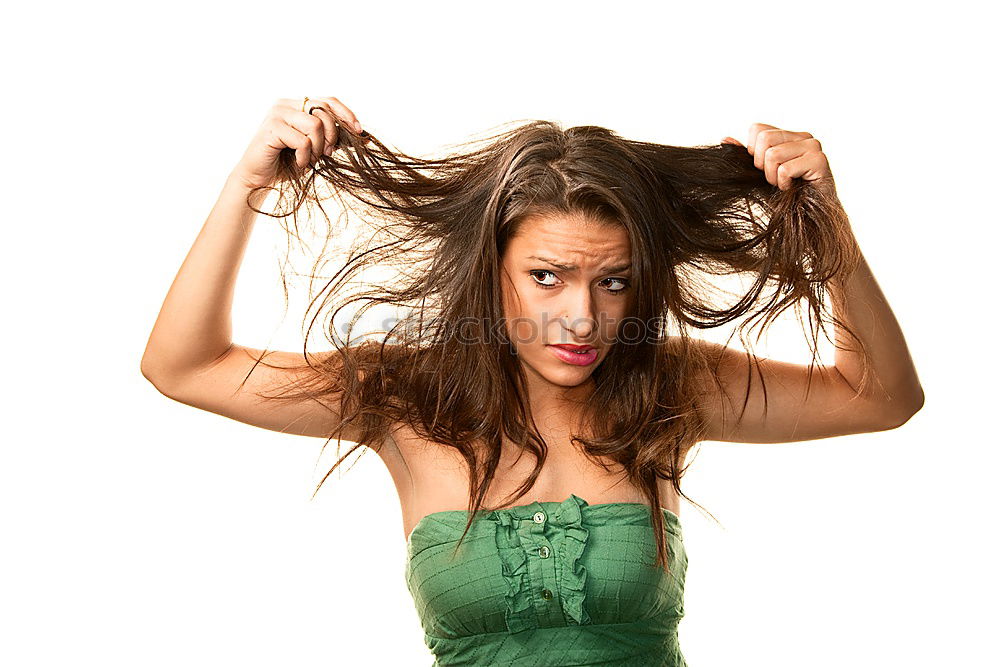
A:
(548, 280)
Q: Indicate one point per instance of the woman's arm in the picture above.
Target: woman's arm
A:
(784, 403)
(194, 327)
(190, 356)
(894, 385)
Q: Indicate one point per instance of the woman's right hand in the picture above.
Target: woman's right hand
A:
(287, 126)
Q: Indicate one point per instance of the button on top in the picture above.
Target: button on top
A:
(538, 517)
(546, 594)
(543, 551)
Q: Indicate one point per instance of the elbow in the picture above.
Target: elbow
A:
(913, 406)
(154, 378)
(147, 371)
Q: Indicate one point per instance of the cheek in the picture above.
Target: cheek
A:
(614, 320)
(524, 330)
(522, 318)
(512, 306)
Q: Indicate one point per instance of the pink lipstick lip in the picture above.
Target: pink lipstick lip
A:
(575, 348)
(569, 354)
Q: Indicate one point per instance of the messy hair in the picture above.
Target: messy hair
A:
(441, 224)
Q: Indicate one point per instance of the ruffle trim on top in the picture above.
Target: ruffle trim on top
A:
(574, 574)
(564, 528)
(514, 563)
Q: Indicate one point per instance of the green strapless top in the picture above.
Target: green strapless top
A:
(548, 583)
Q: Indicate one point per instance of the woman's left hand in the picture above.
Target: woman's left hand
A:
(784, 155)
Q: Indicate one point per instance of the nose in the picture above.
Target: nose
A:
(579, 316)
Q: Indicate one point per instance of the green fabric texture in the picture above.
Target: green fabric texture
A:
(549, 583)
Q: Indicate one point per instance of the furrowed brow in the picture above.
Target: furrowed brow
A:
(559, 265)
(562, 266)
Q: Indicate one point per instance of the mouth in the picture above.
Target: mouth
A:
(577, 355)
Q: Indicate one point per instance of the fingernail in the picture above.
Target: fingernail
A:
(357, 125)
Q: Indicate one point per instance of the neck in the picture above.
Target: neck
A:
(556, 404)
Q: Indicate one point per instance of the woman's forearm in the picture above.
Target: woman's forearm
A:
(861, 304)
(194, 326)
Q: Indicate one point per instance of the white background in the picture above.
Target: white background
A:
(140, 531)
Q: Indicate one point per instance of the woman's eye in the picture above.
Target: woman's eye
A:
(622, 285)
(540, 284)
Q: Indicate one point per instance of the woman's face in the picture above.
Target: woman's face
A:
(566, 280)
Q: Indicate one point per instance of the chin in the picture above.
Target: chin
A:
(571, 380)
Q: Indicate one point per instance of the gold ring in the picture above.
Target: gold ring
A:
(304, 100)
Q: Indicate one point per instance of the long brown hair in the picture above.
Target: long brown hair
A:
(442, 225)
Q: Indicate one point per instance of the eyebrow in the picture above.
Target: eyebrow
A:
(562, 266)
